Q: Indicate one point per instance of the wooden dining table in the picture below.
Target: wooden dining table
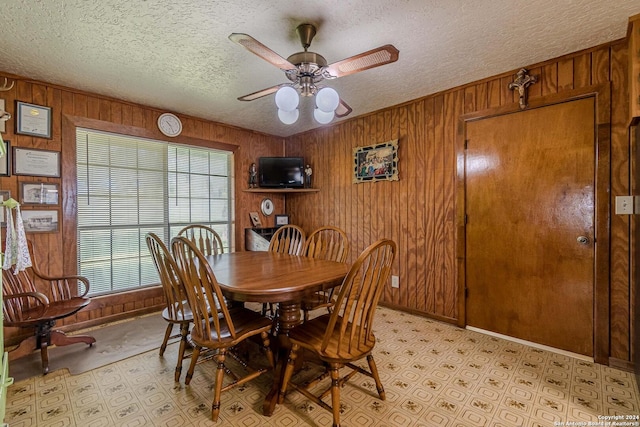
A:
(269, 277)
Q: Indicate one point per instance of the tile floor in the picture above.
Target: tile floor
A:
(434, 374)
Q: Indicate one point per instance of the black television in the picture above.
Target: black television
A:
(281, 172)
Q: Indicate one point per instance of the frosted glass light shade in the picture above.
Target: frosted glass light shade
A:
(327, 99)
(287, 98)
(322, 116)
(288, 117)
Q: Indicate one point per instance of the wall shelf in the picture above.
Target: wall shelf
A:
(281, 190)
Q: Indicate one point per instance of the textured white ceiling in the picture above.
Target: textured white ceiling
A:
(175, 54)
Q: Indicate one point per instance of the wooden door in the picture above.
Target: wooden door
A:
(530, 225)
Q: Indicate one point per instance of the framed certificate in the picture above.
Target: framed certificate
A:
(34, 162)
(34, 120)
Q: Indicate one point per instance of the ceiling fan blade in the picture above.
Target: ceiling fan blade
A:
(369, 59)
(257, 48)
(261, 93)
(343, 109)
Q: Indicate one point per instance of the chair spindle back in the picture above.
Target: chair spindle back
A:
(288, 239)
(202, 290)
(360, 292)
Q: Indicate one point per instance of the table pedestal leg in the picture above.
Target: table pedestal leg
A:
(288, 318)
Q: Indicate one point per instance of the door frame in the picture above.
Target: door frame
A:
(602, 209)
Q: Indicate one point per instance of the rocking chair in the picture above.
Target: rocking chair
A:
(26, 307)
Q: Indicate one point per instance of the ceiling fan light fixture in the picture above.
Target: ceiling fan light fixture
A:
(323, 117)
(287, 99)
(327, 99)
(306, 70)
(288, 117)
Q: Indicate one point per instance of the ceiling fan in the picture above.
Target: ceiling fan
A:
(306, 70)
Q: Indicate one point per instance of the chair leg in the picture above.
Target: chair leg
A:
(167, 335)
(27, 346)
(335, 393)
(184, 333)
(44, 355)
(59, 339)
(267, 348)
(192, 366)
(215, 406)
(376, 377)
(286, 377)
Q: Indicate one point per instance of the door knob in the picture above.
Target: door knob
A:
(583, 240)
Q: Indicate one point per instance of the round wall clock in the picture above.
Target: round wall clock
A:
(169, 124)
(267, 206)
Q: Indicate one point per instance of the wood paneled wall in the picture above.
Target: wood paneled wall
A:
(71, 108)
(419, 210)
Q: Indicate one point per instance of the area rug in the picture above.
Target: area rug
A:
(114, 342)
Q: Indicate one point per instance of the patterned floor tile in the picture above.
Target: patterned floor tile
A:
(434, 374)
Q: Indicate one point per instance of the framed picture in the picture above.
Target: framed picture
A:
(39, 193)
(377, 162)
(2, 112)
(35, 162)
(4, 195)
(40, 221)
(5, 160)
(255, 219)
(34, 120)
(282, 220)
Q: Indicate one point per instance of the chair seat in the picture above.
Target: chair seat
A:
(55, 310)
(246, 323)
(184, 316)
(318, 299)
(311, 333)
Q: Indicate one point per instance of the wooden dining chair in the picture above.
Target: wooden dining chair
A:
(205, 238)
(331, 244)
(346, 334)
(288, 239)
(27, 306)
(229, 328)
(177, 311)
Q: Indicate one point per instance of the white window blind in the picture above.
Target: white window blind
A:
(128, 187)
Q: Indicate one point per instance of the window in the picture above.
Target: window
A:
(130, 186)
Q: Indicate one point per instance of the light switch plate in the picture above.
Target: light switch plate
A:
(624, 205)
(395, 282)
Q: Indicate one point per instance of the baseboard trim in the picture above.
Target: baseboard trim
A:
(532, 344)
(623, 365)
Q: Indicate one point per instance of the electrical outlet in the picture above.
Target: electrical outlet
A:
(395, 282)
(624, 205)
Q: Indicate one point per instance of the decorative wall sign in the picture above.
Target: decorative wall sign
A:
(255, 219)
(34, 120)
(377, 162)
(30, 161)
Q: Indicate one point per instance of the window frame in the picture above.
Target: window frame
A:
(169, 226)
